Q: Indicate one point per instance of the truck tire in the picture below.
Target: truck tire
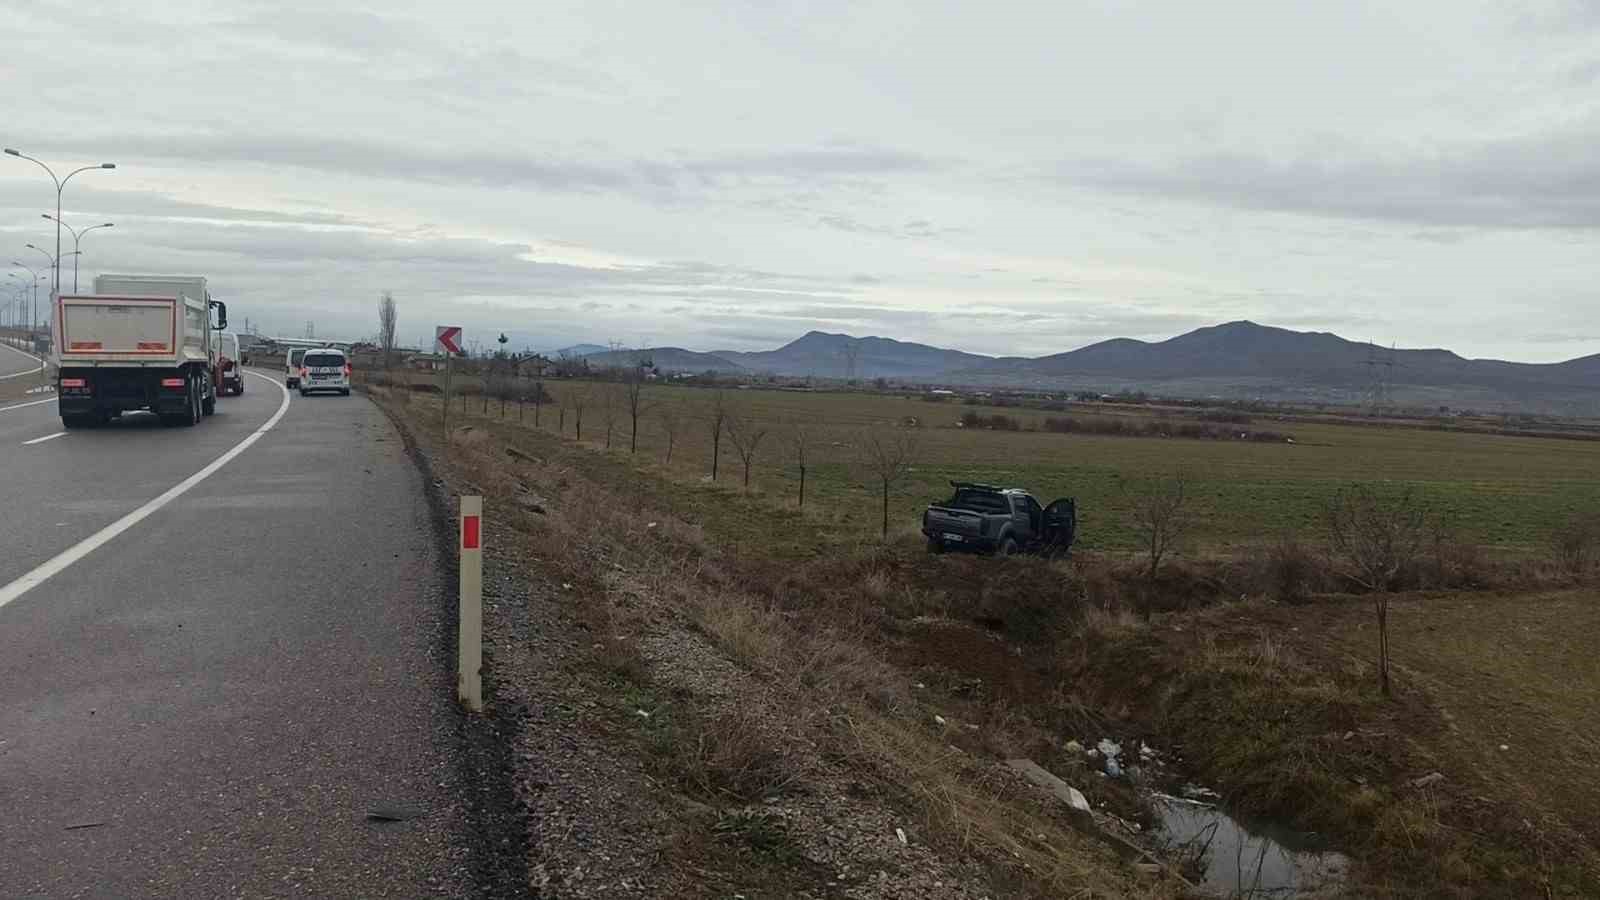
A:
(935, 546)
(1008, 547)
(71, 422)
(191, 417)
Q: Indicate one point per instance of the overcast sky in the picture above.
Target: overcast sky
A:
(1009, 178)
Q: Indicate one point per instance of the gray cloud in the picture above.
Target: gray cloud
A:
(349, 156)
(1543, 181)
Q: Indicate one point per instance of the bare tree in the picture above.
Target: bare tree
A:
(577, 398)
(716, 418)
(887, 454)
(746, 434)
(388, 318)
(799, 443)
(633, 383)
(1377, 538)
(1161, 519)
(610, 410)
(671, 417)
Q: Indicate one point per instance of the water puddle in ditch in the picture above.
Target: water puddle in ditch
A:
(1258, 861)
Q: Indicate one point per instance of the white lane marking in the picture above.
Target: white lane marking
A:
(26, 405)
(48, 437)
(95, 541)
(28, 355)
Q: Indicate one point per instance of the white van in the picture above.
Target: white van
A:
(230, 363)
(324, 369)
(291, 367)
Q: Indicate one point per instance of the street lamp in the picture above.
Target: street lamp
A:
(76, 237)
(34, 284)
(61, 184)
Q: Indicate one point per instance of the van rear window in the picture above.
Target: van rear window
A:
(324, 361)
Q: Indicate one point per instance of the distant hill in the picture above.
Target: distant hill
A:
(667, 359)
(581, 350)
(1235, 360)
(831, 356)
(1259, 354)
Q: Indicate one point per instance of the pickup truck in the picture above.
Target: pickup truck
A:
(997, 520)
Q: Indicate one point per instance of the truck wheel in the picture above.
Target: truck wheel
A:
(935, 546)
(71, 422)
(191, 417)
(1007, 548)
(208, 405)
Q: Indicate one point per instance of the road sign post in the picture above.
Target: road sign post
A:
(447, 341)
(469, 644)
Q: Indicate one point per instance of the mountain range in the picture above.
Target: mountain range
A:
(1236, 360)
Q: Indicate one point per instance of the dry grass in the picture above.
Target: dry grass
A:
(628, 559)
(1261, 696)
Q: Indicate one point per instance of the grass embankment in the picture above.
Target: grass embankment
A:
(1275, 705)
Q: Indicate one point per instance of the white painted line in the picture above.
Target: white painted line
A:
(26, 405)
(28, 355)
(48, 437)
(100, 538)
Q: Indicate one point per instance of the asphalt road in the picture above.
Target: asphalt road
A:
(14, 362)
(212, 702)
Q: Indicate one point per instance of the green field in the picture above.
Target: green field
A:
(1504, 492)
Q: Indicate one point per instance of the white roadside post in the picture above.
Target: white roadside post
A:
(470, 642)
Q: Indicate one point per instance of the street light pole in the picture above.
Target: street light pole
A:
(77, 236)
(33, 314)
(61, 184)
(55, 263)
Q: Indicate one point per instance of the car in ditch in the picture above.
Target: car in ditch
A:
(989, 519)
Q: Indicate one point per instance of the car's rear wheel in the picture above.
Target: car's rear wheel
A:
(1007, 548)
(77, 421)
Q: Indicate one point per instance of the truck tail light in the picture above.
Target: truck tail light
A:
(304, 371)
(172, 382)
(73, 383)
(347, 370)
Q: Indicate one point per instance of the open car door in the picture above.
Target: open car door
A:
(1060, 527)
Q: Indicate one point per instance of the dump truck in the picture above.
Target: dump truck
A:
(139, 342)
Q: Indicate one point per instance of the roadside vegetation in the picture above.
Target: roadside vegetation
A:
(1236, 603)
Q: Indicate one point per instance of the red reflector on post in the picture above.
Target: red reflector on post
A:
(469, 533)
(172, 382)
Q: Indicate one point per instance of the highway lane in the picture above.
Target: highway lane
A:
(58, 492)
(225, 690)
(14, 363)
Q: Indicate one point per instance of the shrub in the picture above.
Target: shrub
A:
(1575, 544)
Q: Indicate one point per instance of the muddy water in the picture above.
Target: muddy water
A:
(1241, 862)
